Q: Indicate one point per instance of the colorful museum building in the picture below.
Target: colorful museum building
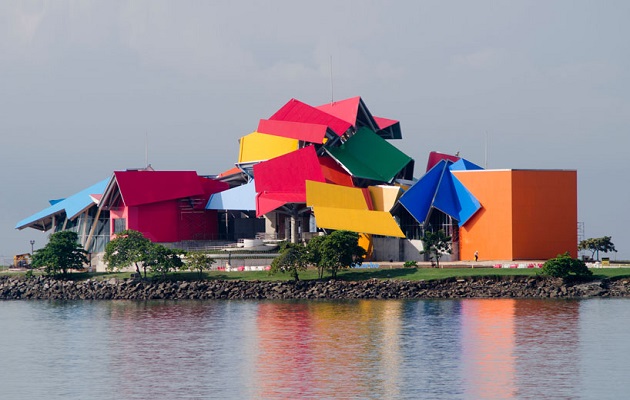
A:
(308, 170)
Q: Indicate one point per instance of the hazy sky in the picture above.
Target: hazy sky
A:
(83, 83)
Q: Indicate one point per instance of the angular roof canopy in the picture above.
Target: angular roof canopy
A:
(72, 206)
(283, 179)
(237, 198)
(366, 155)
(296, 111)
(326, 194)
(384, 198)
(355, 111)
(259, 147)
(388, 128)
(341, 207)
(311, 133)
(440, 189)
(138, 187)
(435, 157)
(464, 165)
(334, 173)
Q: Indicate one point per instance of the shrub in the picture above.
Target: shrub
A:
(410, 264)
(564, 266)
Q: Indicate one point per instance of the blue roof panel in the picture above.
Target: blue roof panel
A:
(237, 198)
(419, 198)
(72, 205)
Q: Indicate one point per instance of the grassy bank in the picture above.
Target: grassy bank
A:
(411, 274)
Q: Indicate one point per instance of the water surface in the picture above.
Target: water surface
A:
(397, 349)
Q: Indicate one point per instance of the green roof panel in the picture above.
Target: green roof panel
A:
(366, 155)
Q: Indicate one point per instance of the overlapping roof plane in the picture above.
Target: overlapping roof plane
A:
(237, 198)
(297, 111)
(333, 158)
(355, 111)
(71, 206)
(441, 190)
(257, 146)
(366, 155)
(139, 187)
(341, 207)
(285, 177)
(357, 152)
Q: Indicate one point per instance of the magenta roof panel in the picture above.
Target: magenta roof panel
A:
(435, 157)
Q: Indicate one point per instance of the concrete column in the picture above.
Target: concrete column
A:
(294, 227)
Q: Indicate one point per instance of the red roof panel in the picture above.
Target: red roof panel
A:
(267, 202)
(334, 173)
(296, 111)
(145, 187)
(288, 173)
(283, 179)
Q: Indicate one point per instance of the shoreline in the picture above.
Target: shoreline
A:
(513, 287)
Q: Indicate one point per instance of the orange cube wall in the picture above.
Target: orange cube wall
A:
(525, 214)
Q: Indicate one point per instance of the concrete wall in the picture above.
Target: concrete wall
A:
(396, 249)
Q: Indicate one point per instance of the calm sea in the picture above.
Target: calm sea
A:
(427, 349)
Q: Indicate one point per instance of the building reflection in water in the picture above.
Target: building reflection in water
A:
(488, 339)
(476, 348)
(351, 349)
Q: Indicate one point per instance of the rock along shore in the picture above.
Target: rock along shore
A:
(46, 288)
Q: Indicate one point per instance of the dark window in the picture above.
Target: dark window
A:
(120, 224)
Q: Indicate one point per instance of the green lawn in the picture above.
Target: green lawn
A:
(412, 274)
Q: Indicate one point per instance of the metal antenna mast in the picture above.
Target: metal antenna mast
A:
(332, 92)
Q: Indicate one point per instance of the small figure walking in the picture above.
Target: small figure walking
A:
(476, 255)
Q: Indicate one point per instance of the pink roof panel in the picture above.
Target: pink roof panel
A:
(346, 110)
(384, 123)
(312, 133)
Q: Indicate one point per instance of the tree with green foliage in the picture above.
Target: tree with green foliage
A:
(339, 250)
(564, 266)
(199, 261)
(595, 245)
(161, 260)
(314, 254)
(436, 244)
(129, 247)
(293, 258)
(62, 253)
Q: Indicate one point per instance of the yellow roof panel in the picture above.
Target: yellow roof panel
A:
(259, 147)
(375, 222)
(336, 196)
(365, 241)
(384, 197)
